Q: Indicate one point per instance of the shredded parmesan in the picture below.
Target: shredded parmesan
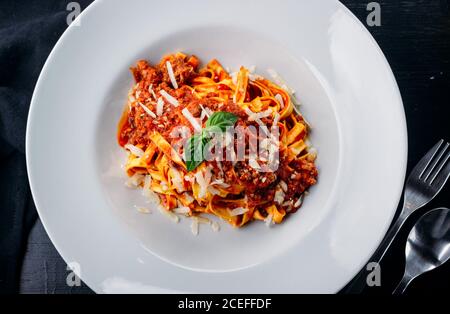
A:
(148, 111)
(182, 210)
(264, 114)
(188, 115)
(280, 81)
(169, 214)
(171, 75)
(299, 201)
(208, 174)
(279, 98)
(215, 226)
(202, 183)
(135, 150)
(147, 184)
(169, 98)
(254, 164)
(194, 227)
(255, 77)
(205, 112)
(135, 180)
(148, 193)
(238, 211)
(252, 116)
(202, 220)
(283, 186)
(177, 180)
(312, 151)
(150, 89)
(234, 78)
(276, 119)
(142, 210)
(159, 106)
(188, 198)
(213, 190)
(268, 220)
(220, 183)
(279, 196)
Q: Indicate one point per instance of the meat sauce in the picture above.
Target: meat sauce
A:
(136, 125)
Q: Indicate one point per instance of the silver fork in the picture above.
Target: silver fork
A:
(425, 181)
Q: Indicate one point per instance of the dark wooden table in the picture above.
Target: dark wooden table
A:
(415, 37)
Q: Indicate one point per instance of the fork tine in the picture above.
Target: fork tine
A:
(435, 162)
(420, 168)
(445, 173)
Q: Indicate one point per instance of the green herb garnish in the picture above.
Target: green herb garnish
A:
(194, 154)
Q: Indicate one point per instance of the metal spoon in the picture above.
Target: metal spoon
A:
(428, 246)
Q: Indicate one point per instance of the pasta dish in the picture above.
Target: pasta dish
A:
(202, 140)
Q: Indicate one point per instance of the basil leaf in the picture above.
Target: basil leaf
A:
(221, 120)
(195, 148)
(194, 152)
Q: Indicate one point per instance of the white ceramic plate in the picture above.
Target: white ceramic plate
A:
(348, 94)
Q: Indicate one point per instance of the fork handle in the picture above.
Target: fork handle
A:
(360, 280)
(389, 238)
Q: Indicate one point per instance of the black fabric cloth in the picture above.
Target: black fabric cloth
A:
(415, 37)
(28, 32)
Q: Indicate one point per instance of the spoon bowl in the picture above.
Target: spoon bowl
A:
(428, 246)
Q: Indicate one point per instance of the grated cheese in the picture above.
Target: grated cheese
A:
(177, 180)
(279, 196)
(299, 201)
(252, 116)
(171, 74)
(194, 227)
(169, 214)
(188, 115)
(205, 112)
(213, 190)
(169, 98)
(151, 91)
(215, 226)
(135, 180)
(238, 211)
(160, 107)
(276, 119)
(188, 198)
(254, 164)
(202, 220)
(283, 186)
(182, 210)
(280, 81)
(148, 111)
(279, 98)
(135, 150)
(220, 183)
(202, 183)
(142, 210)
(147, 184)
(268, 220)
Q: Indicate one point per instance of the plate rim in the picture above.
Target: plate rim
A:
(70, 28)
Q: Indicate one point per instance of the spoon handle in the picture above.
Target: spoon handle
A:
(403, 284)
